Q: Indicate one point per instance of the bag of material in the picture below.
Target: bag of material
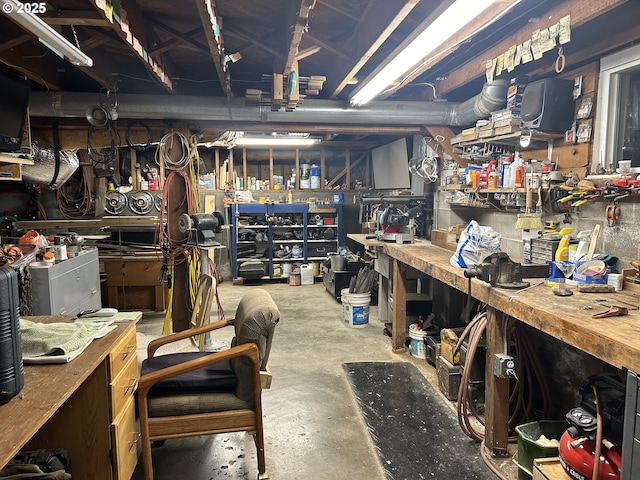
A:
(476, 243)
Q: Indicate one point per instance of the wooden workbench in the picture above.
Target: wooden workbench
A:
(74, 406)
(612, 340)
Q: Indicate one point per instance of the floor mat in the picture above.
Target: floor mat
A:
(416, 435)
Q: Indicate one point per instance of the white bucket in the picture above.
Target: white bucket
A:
(306, 275)
(418, 348)
(286, 269)
(356, 313)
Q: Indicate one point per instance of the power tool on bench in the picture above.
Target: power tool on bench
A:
(578, 444)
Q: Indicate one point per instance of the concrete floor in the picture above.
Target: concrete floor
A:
(313, 428)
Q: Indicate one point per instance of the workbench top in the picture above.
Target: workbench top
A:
(569, 319)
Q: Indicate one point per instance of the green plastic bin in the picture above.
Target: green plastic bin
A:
(528, 448)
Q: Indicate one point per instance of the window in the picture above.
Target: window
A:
(618, 119)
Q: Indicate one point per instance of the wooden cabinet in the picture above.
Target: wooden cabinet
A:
(134, 282)
(123, 376)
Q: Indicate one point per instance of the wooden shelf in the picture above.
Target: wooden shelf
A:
(537, 139)
(11, 167)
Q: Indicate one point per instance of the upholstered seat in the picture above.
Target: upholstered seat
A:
(201, 393)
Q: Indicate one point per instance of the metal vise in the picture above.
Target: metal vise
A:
(500, 271)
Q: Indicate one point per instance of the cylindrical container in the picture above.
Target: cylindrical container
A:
(358, 313)
(59, 250)
(11, 369)
(296, 251)
(338, 197)
(616, 280)
(337, 262)
(418, 348)
(314, 176)
(277, 270)
(306, 275)
(305, 182)
(294, 279)
(316, 268)
(286, 269)
(49, 258)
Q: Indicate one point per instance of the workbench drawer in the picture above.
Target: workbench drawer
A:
(123, 386)
(122, 353)
(125, 438)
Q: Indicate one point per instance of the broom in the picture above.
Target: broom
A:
(530, 220)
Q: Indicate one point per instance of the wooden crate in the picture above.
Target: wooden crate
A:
(445, 239)
(134, 283)
(548, 469)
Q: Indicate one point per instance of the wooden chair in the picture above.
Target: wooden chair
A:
(201, 393)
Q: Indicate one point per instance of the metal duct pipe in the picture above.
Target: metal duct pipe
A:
(312, 111)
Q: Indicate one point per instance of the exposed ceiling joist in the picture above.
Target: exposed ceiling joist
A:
(258, 42)
(169, 44)
(131, 29)
(207, 13)
(298, 28)
(182, 37)
(38, 70)
(339, 10)
(327, 46)
(307, 52)
(87, 18)
(19, 40)
(370, 33)
(581, 11)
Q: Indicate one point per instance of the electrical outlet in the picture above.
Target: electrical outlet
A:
(504, 366)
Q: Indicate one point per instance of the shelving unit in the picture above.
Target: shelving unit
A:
(270, 232)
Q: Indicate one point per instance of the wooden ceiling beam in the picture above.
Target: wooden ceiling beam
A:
(130, 26)
(87, 18)
(339, 10)
(298, 29)
(39, 70)
(372, 30)
(169, 44)
(307, 52)
(581, 11)
(258, 42)
(19, 40)
(185, 38)
(207, 11)
(327, 46)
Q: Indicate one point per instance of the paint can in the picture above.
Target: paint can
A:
(616, 280)
(357, 313)
(314, 176)
(338, 197)
(294, 279)
(417, 346)
(316, 268)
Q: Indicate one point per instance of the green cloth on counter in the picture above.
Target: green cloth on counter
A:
(55, 339)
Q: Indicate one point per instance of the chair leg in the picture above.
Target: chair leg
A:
(147, 462)
(262, 467)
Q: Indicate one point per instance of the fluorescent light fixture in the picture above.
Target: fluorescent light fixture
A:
(276, 141)
(445, 26)
(20, 14)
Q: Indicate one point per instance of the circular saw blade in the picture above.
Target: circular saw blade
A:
(115, 202)
(141, 202)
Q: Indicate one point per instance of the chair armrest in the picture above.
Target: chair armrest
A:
(174, 337)
(249, 350)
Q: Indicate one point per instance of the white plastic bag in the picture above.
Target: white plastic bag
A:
(476, 243)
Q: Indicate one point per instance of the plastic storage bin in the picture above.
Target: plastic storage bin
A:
(528, 448)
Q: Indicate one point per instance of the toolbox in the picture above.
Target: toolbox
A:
(448, 377)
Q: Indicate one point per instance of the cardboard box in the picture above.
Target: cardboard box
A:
(448, 378)
(448, 342)
(548, 469)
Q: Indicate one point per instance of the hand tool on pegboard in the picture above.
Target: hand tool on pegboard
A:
(612, 210)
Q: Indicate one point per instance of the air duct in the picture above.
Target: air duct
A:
(312, 111)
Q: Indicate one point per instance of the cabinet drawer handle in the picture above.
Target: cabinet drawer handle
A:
(134, 443)
(132, 386)
(130, 350)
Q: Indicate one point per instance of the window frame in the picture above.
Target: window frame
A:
(607, 115)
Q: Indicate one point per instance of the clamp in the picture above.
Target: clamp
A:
(612, 212)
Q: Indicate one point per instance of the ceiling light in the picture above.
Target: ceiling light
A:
(276, 141)
(423, 47)
(20, 14)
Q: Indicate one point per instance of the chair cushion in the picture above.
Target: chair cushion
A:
(218, 377)
(189, 404)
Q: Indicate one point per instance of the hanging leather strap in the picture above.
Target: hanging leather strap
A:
(56, 153)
